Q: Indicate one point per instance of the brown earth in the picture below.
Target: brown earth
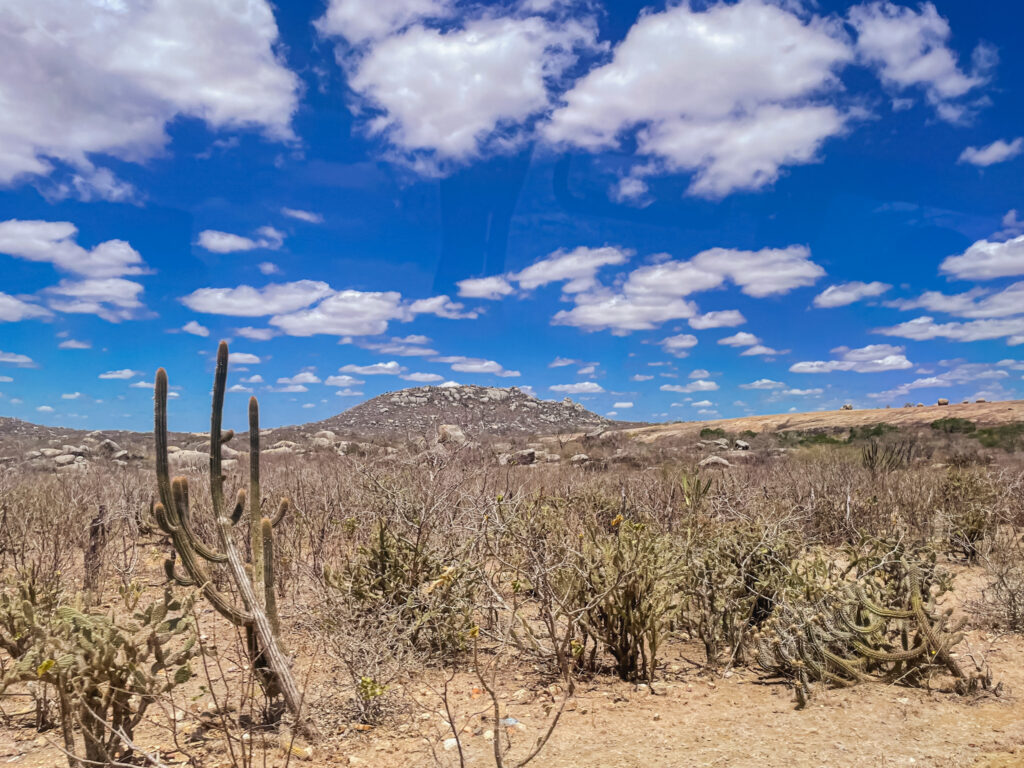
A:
(983, 414)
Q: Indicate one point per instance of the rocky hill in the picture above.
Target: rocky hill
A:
(480, 411)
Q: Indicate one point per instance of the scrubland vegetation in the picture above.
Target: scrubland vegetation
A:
(401, 599)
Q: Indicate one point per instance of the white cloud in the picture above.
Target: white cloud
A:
(71, 395)
(343, 380)
(561, 362)
(847, 293)
(268, 268)
(422, 378)
(117, 73)
(640, 377)
(123, 373)
(345, 313)
(476, 365)
(307, 216)
(957, 375)
(439, 96)
(256, 334)
(449, 384)
(442, 306)
(763, 384)
(225, 242)
(254, 379)
(703, 404)
(348, 393)
(390, 368)
(998, 151)
(909, 48)
(289, 388)
(699, 373)
(727, 93)
(246, 301)
(699, 385)
(140, 385)
(53, 242)
(976, 303)
(767, 272)
(74, 344)
(724, 318)
(401, 348)
(761, 350)
(623, 405)
(495, 287)
(873, 358)
(986, 260)
(303, 377)
(677, 345)
(1012, 226)
(239, 388)
(740, 339)
(360, 21)
(195, 329)
(579, 388)
(13, 309)
(924, 328)
(802, 392)
(113, 299)
(243, 358)
(577, 269)
(6, 379)
(45, 409)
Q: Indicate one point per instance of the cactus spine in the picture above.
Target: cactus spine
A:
(255, 583)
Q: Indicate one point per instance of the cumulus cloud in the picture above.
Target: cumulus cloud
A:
(579, 388)
(802, 392)
(925, 327)
(475, 365)
(113, 298)
(53, 242)
(13, 309)
(699, 385)
(247, 301)
(256, 334)
(122, 373)
(622, 405)
(740, 339)
(760, 350)
(847, 293)
(998, 151)
(225, 242)
(986, 260)
(679, 344)
(640, 377)
(442, 306)
(908, 48)
(401, 347)
(74, 344)
(699, 373)
(390, 368)
(728, 93)
(724, 318)
(441, 95)
(45, 409)
(976, 303)
(302, 377)
(763, 384)
(196, 329)
(576, 269)
(120, 72)
(423, 378)
(873, 358)
(343, 380)
(958, 374)
(243, 358)
(494, 287)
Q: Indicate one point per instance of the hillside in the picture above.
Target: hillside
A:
(480, 411)
(983, 414)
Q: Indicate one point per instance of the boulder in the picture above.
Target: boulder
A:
(720, 442)
(108, 448)
(173, 449)
(65, 459)
(742, 445)
(189, 460)
(75, 450)
(285, 444)
(846, 407)
(227, 452)
(50, 453)
(121, 456)
(284, 450)
(322, 443)
(943, 401)
(33, 455)
(520, 458)
(326, 434)
(451, 434)
(981, 400)
(714, 462)
(579, 460)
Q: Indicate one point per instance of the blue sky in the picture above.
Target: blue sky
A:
(664, 211)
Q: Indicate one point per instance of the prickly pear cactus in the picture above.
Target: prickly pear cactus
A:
(105, 674)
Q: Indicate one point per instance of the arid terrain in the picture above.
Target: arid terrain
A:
(693, 594)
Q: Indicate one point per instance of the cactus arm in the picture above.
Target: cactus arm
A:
(255, 498)
(179, 489)
(220, 380)
(173, 575)
(236, 513)
(269, 597)
(282, 510)
(163, 473)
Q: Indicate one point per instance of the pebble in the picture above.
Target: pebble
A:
(450, 744)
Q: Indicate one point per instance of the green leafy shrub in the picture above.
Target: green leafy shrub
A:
(953, 425)
(1006, 436)
(708, 433)
(870, 432)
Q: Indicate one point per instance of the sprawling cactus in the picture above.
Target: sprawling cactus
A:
(255, 580)
(104, 673)
(896, 633)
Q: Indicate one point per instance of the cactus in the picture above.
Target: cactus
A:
(254, 581)
(894, 634)
(105, 674)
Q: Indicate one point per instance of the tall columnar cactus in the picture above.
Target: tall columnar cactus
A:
(254, 581)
